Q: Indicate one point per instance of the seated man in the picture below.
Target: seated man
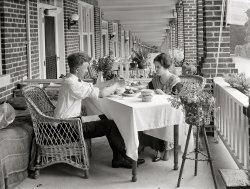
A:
(73, 90)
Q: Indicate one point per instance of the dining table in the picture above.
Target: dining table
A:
(157, 118)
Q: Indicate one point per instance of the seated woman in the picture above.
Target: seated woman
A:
(163, 83)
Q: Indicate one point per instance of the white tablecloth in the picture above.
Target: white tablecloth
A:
(132, 115)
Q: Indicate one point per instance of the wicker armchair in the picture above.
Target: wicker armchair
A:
(58, 140)
(192, 79)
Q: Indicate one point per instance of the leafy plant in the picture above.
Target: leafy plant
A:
(195, 102)
(177, 54)
(239, 81)
(189, 67)
(104, 65)
(140, 57)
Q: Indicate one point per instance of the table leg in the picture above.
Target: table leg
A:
(176, 141)
(134, 171)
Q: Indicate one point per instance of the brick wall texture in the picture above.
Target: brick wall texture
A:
(212, 15)
(14, 42)
(98, 32)
(180, 39)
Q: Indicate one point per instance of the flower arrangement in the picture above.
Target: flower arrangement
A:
(189, 67)
(104, 65)
(140, 57)
(239, 81)
(177, 54)
(196, 103)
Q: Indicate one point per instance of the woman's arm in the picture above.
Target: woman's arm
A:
(177, 88)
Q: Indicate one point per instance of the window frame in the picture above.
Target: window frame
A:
(88, 32)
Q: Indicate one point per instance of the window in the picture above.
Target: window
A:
(115, 29)
(104, 38)
(86, 28)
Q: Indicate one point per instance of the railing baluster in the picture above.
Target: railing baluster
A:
(231, 122)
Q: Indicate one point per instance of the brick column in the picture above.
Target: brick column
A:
(71, 36)
(173, 34)
(190, 32)
(180, 40)
(212, 16)
(98, 32)
(110, 30)
(120, 40)
(13, 41)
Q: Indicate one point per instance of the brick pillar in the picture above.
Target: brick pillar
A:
(71, 36)
(211, 18)
(180, 41)
(190, 32)
(173, 34)
(98, 32)
(120, 40)
(110, 30)
(13, 41)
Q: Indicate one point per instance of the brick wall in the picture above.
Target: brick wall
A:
(180, 40)
(119, 40)
(110, 30)
(13, 35)
(98, 32)
(212, 14)
(190, 32)
(200, 28)
(71, 36)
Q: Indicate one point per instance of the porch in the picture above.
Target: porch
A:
(151, 175)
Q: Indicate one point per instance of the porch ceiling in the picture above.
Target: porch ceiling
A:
(146, 19)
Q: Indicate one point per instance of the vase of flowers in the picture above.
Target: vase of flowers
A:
(196, 103)
(189, 67)
(104, 67)
(140, 57)
(177, 55)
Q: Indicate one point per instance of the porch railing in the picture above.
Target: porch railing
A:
(231, 123)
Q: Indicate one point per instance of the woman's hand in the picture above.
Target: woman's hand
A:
(159, 91)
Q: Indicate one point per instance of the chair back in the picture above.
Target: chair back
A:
(37, 97)
(192, 79)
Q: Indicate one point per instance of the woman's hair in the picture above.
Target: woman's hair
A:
(75, 60)
(164, 60)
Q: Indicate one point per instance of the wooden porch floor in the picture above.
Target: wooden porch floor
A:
(151, 175)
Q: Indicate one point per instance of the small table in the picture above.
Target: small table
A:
(132, 115)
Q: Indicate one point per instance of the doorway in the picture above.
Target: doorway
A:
(51, 42)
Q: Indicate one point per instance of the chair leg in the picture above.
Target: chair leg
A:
(36, 173)
(184, 156)
(196, 150)
(86, 174)
(209, 156)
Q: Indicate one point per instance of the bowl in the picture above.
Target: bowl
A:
(147, 95)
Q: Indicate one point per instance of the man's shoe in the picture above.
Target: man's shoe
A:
(140, 161)
(125, 163)
(121, 163)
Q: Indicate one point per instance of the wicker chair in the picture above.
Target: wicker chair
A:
(192, 79)
(58, 140)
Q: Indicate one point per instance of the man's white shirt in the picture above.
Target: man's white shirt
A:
(71, 93)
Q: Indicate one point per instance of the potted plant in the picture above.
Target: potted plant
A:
(104, 66)
(189, 67)
(239, 81)
(196, 103)
(177, 55)
(140, 57)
